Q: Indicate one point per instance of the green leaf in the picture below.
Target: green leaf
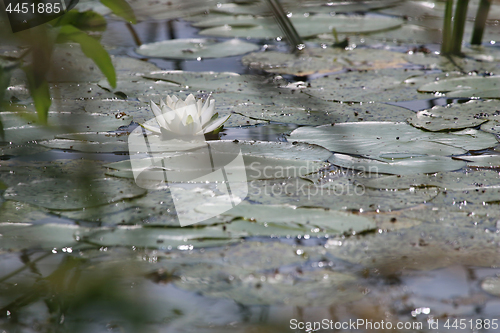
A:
(40, 92)
(121, 8)
(92, 49)
(82, 20)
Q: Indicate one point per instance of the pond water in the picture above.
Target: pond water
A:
(372, 180)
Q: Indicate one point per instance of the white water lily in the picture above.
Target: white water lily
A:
(183, 118)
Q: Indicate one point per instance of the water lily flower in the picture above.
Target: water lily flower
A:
(185, 118)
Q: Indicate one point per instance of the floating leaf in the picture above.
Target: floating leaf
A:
(160, 238)
(456, 116)
(380, 85)
(63, 194)
(443, 180)
(20, 212)
(400, 166)
(343, 196)
(468, 86)
(482, 161)
(491, 126)
(20, 236)
(411, 249)
(196, 48)
(306, 220)
(20, 127)
(259, 27)
(263, 160)
(371, 139)
(318, 60)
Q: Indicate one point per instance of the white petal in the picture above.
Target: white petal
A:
(158, 114)
(171, 101)
(216, 124)
(155, 130)
(190, 100)
(199, 107)
(208, 112)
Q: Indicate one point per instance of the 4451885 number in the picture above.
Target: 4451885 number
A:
(472, 324)
(40, 8)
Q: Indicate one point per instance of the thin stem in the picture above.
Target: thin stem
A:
(448, 13)
(286, 25)
(479, 24)
(458, 26)
(137, 40)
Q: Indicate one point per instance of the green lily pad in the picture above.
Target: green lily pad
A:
(372, 139)
(64, 194)
(263, 160)
(468, 86)
(344, 196)
(196, 48)
(482, 161)
(473, 197)
(414, 247)
(309, 220)
(443, 180)
(307, 288)
(401, 166)
(168, 9)
(383, 85)
(20, 212)
(22, 127)
(456, 116)
(492, 126)
(252, 273)
(260, 27)
(319, 60)
(160, 238)
(49, 236)
(297, 8)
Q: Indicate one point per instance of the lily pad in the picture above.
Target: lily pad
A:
(456, 116)
(252, 273)
(62, 194)
(261, 27)
(401, 166)
(263, 160)
(318, 60)
(382, 85)
(22, 127)
(196, 48)
(492, 126)
(414, 247)
(474, 197)
(482, 161)
(18, 236)
(160, 238)
(468, 86)
(309, 220)
(443, 180)
(344, 196)
(372, 139)
(20, 212)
